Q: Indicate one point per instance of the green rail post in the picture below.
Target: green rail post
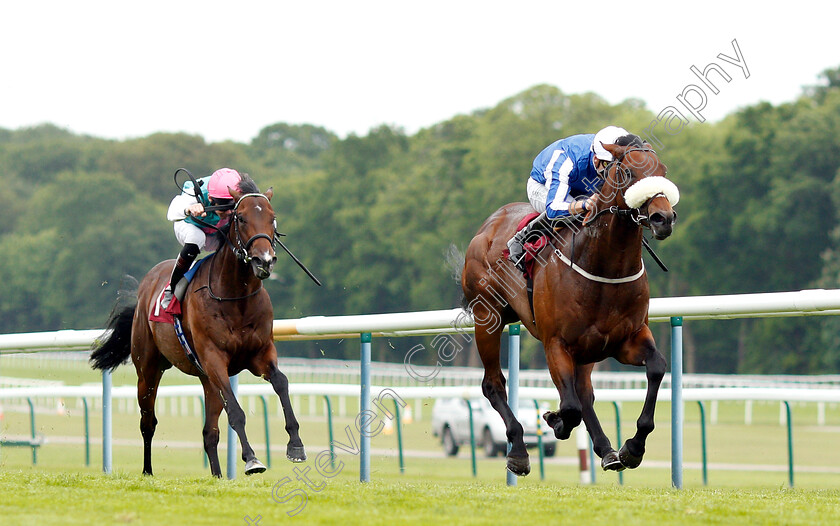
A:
(399, 435)
(790, 443)
(472, 438)
(677, 410)
(329, 427)
(267, 438)
(203, 418)
(703, 442)
(539, 441)
(32, 430)
(618, 435)
(364, 402)
(87, 433)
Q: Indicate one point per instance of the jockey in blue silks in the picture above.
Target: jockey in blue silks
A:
(563, 180)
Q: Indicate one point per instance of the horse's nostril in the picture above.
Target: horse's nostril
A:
(659, 218)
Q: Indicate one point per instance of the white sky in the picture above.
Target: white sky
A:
(225, 70)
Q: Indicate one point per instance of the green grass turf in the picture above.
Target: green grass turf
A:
(40, 496)
(60, 489)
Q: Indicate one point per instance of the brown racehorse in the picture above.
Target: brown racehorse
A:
(227, 318)
(582, 314)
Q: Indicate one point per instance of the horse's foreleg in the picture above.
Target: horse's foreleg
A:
(562, 370)
(294, 449)
(493, 387)
(600, 443)
(641, 350)
(212, 409)
(220, 383)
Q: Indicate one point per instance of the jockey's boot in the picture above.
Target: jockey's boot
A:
(182, 265)
(516, 243)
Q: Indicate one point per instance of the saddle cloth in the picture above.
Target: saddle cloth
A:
(158, 313)
(531, 247)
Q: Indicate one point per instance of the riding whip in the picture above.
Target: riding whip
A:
(300, 264)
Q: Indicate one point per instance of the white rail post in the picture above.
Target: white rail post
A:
(583, 447)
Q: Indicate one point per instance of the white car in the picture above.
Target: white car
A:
(450, 422)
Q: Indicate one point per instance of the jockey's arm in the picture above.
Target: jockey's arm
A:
(558, 199)
(582, 205)
(181, 204)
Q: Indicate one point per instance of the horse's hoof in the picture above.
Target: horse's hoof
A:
(628, 459)
(611, 462)
(562, 431)
(519, 466)
(295, 453)
(551, 418)
(254, 466)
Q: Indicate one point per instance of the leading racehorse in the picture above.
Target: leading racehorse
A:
(590, 300)
(227, 319)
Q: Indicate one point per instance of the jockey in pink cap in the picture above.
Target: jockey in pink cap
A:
(191, 220)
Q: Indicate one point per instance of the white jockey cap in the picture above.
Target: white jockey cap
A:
(607, 136)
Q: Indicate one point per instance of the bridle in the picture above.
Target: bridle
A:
(240, 249)
(634, 214)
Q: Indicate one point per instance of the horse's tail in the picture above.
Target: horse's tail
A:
(455, 259)
(114, 346)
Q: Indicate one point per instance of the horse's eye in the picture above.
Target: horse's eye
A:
(240, 218)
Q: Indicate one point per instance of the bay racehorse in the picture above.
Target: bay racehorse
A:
(589, 302)
(227, 319)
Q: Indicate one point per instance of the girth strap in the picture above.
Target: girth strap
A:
(182, 339)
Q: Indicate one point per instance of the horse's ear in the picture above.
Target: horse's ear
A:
(269, 193)
(616, 150)
(233, 193)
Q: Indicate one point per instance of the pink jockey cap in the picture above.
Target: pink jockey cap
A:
(221, 180)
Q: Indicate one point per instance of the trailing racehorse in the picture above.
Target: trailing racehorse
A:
(589, 300)
(227, 320)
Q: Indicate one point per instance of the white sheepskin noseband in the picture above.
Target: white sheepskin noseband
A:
(643, 189)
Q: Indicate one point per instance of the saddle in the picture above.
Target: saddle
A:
(172, 313)
(531, 247)
(158, 313)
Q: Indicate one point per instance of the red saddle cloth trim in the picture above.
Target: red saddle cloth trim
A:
(158, 314)
(525, 220)
(531, 248)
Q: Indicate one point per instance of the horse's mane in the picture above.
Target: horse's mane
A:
(247, 185)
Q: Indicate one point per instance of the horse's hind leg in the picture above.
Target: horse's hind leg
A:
(601, 444)
(294, 449)
(147, 362)
(488, 341)
(641, 350)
